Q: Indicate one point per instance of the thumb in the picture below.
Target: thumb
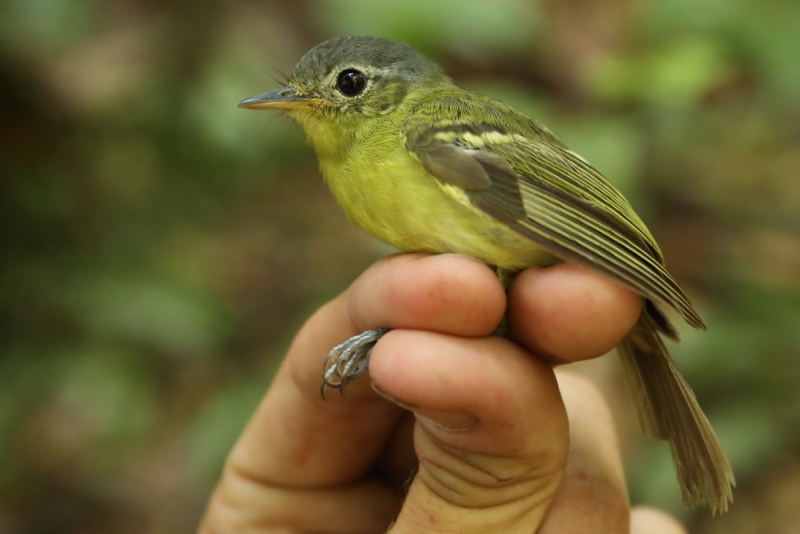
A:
(491, 437)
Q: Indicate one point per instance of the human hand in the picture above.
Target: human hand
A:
(480, 422)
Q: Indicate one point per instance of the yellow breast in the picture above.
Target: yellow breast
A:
(388, 193)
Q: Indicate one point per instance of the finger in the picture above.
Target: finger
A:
(651, 521)
(445, 293)
(567, 313)
(398, 463)
(492, 434)
(295, 440)
(592, 497)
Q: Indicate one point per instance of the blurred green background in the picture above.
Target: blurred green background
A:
(160, 246)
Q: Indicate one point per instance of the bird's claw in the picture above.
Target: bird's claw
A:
(349, 360)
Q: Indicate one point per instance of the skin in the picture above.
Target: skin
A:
(499, 441)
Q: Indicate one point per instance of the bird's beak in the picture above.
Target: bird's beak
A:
(283, 99)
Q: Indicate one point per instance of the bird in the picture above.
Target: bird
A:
(426, 166)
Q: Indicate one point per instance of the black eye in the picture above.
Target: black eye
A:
(351, 82)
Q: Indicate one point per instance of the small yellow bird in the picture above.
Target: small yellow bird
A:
(428, 167)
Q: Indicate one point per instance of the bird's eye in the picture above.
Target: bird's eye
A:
(351, 82)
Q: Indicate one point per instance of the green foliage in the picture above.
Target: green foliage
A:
(473, 29)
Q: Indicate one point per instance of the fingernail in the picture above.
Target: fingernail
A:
(440, 419)
(446, 420)
(404, 405)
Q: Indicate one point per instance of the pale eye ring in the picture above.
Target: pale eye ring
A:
(351, 82)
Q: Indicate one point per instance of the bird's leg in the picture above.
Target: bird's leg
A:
(349, 360)
(504, 276)
(505, 279)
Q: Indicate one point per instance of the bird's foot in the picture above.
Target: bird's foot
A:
(349, 360)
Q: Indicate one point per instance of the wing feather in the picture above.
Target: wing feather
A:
(568, 207)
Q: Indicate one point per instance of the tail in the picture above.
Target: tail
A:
(668, 410)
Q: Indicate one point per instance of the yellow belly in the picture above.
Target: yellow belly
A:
(398, 202)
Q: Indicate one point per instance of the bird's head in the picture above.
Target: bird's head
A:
(346, 80)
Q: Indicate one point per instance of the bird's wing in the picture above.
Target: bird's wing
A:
(550, 195)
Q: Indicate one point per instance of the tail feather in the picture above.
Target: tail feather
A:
(668, 410)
